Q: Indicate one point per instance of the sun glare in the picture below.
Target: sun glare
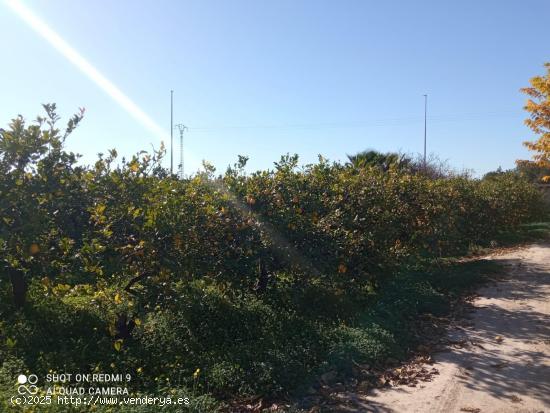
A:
(87, 68)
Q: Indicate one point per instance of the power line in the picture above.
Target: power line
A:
(361, 124)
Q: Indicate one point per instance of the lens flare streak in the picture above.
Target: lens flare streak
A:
(87, 68)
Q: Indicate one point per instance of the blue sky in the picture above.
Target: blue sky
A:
(262, 78)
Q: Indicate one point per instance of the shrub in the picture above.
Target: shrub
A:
(255, 279)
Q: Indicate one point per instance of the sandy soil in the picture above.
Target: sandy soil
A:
(504, 364)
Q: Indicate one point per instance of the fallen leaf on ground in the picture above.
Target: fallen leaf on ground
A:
(515, 399)
(475, 343)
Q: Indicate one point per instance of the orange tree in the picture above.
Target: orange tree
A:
(40, 203)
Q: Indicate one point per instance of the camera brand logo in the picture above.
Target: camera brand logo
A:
(23, 380)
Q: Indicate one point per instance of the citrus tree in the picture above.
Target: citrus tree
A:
(40, 212)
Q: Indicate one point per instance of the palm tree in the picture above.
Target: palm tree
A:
(372, 158)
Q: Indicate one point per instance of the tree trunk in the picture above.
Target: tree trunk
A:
(263, 277)
(124, 327)
(19, 287)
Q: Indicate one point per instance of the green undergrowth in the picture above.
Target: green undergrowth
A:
(531, 232)
(242, 345)
(387, 329)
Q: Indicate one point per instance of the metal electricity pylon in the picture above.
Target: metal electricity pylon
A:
(182, 128)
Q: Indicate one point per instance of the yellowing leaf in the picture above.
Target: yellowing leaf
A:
(10, 342)
(137, 321)
(118, 300)
(117, 345)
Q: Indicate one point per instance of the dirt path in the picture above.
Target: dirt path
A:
(504, 365)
